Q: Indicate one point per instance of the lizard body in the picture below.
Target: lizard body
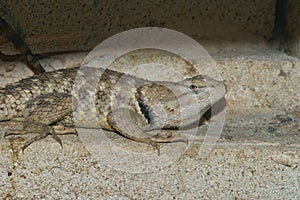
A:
(97, 98)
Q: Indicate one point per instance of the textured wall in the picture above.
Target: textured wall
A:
(293, 26)
(51, 25)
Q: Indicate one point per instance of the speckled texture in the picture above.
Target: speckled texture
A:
(228, 173)
(262, 82)
(67, 25)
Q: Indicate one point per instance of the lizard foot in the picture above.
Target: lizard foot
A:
(161, 138)
(29, 127)
(168, 138)
(48, 131)
(121, 120)
(60, 129)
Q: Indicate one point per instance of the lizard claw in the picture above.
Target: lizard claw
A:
(25, 127)
(155, 140)
(156, 146)
(46, 131)
(168, 138)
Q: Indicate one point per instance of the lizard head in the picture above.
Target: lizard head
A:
(173, 105)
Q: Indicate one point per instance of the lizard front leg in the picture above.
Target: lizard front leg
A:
(121, 120)
(30, 127)
(38, 116)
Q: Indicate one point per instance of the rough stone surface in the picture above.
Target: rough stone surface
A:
(227, 173)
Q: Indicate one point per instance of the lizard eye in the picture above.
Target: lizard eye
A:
(193, 87)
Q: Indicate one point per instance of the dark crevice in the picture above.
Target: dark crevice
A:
(145, 111)
(279, 32)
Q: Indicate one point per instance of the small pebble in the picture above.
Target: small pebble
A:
(9, 68)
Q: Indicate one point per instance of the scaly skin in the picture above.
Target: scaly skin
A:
(96, 98)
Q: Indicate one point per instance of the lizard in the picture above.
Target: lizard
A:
(91, 97)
